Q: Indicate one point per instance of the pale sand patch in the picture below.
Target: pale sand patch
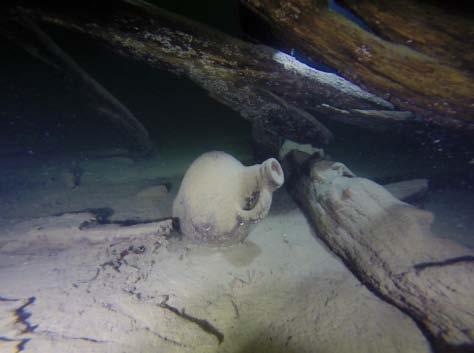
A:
(280, 291)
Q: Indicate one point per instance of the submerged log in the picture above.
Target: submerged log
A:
(430, 76)
(266, 86)
(423, 26)
(388, 245)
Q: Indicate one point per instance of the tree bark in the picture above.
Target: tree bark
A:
(266, 86)
(388, 245)
(431, 75)
(422, 26)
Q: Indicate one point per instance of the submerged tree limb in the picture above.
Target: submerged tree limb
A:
(388, 245)
(119, 114)
(238, 74)
(428, 70)
(439, 30)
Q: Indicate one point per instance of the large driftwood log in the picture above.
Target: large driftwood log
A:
(429, 76)
(264, 85)
(388, 245)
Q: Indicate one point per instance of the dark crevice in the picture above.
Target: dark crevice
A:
(102, 217)
(20, 347)
(101, 214)
(21, 317)
(93, 340)
(336, 6)
(203, 324)
(120, 260)
(452, 261)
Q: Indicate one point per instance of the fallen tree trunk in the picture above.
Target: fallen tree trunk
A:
(430, 79)
(266, 86)
(388, 245)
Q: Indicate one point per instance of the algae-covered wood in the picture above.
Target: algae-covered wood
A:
(430, 29)
(266, 86)
(431, 76)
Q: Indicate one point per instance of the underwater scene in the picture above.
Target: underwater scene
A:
(239, 176)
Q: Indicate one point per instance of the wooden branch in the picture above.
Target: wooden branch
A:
(429, 82)
(388, 245)
(236, 73)
(430, 29)
(119, 114)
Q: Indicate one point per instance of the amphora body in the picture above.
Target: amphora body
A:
(219, 198)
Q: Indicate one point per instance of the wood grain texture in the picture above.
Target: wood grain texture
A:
(280, 94)
(388, 245)
(430, 77)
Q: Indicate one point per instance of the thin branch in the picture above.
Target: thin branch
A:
(120, 115)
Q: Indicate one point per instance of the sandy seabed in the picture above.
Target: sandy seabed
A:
(106, 288)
